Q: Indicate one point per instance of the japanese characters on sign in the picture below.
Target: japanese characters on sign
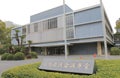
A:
(70, 66)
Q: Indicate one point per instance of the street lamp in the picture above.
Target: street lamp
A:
(64, 24)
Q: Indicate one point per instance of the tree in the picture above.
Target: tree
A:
(2, 32)
(29, 45)
(22, 39)
(5, 37)
(17, 37)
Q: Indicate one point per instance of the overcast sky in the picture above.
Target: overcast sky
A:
(19, 11)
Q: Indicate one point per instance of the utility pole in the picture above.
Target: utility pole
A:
(64, 24)
(104, 30)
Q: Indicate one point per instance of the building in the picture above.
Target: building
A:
(88, 31)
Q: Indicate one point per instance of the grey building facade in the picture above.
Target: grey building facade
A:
(88, 30)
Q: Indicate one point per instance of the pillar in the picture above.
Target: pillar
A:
(99, 49)
(67, 50)
(45, 51)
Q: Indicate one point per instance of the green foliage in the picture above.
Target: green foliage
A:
(117, 25)
(29, 43)
(10, 57)
(33, 54)
(4, 56)
(19, 56)
(2, 51)
(105, 69)
(115, 51)
(4, 33)
(17, 49)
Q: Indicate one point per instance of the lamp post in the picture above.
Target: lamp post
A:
(64, 24)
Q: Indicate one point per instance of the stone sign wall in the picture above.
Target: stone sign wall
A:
(69, 66)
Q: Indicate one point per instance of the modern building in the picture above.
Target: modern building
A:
(88, 31)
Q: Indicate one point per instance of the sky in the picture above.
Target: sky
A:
(19, 11)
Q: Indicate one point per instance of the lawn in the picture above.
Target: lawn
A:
(105, 69)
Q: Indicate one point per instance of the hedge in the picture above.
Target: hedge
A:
(19, 56)
(115, 51)
(10, 57)
(106, 69)
(33, 54)
(4, 56)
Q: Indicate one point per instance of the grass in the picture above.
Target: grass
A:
(106, 69)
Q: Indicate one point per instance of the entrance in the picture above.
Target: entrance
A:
(55, 50)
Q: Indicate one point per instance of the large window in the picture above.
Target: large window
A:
(70, 33)
(28, 29)
(50, 23)
(35, 27)
(69, 20)
(69, 26)
(24, 30)
(45, 24)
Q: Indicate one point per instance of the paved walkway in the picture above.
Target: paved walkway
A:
(5, 65)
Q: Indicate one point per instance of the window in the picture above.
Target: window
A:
(24, 30)
(69, 20)
(50, 24)
(70, 33)
(35, 27)
(28, 29)
(45, 24)
(69, 26)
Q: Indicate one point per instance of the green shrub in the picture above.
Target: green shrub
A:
(115, 51)
(10, 57)
(4, 56)
(19, 56)
(105, 69)
(2, 51)
(33, 54)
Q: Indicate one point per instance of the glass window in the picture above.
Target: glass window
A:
(69, 26)
(28, 29)
(24, 30)
(45, 24)
(52, 23)
(35, 27)
(69, 20)
(70, 33)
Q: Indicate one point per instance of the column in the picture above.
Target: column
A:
(99, 49)
(45, 51)
(67, 50)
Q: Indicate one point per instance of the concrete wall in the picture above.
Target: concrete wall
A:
(46, 36)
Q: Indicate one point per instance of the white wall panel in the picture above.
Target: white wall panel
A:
(46, 36)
